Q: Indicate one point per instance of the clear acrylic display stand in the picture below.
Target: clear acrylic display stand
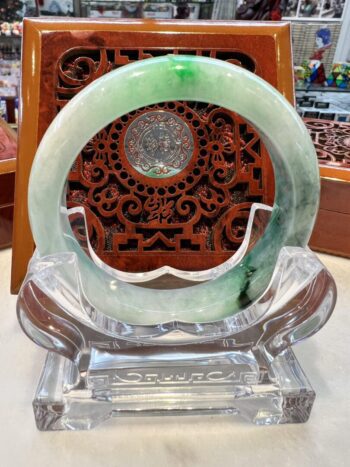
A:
(98, 367)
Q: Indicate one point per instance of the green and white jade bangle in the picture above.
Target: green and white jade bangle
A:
(162, 79)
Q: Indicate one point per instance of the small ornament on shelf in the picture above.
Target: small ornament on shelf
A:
(317, 74)
(11, 29)
(5, 29)
(17, 28)
(302, 73)
(312, 70)
(339, 76)
(323, 43)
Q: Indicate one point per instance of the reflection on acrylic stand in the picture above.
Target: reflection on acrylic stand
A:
(98, 367)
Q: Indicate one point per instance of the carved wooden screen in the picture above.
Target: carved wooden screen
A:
(194, 218)
(332, 142)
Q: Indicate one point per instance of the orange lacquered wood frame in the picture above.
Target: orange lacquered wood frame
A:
(335, 173)
(29, 134)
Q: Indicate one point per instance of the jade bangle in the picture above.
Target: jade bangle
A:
(148, 82)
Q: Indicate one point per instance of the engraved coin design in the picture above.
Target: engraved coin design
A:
(158, 144)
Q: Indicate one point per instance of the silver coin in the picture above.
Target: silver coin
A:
(158, 144)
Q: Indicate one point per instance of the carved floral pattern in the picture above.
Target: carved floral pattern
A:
(202, 209)
(331, 140)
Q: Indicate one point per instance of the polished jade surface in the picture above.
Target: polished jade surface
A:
(165, 79)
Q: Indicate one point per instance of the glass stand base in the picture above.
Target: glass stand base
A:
(185, 380)
(98, 367)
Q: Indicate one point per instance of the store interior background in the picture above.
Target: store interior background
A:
(320, 30)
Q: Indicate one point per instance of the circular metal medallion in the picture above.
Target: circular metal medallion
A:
(158, 144)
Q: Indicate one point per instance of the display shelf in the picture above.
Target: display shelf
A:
(315, 88)
(11, 38)
(311, 19)
(315, 103)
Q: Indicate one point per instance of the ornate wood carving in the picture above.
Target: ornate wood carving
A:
(332, 228)
(54, 70)
(331, 140)
(191, 212)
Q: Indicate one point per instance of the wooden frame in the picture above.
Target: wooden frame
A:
(179, 34)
